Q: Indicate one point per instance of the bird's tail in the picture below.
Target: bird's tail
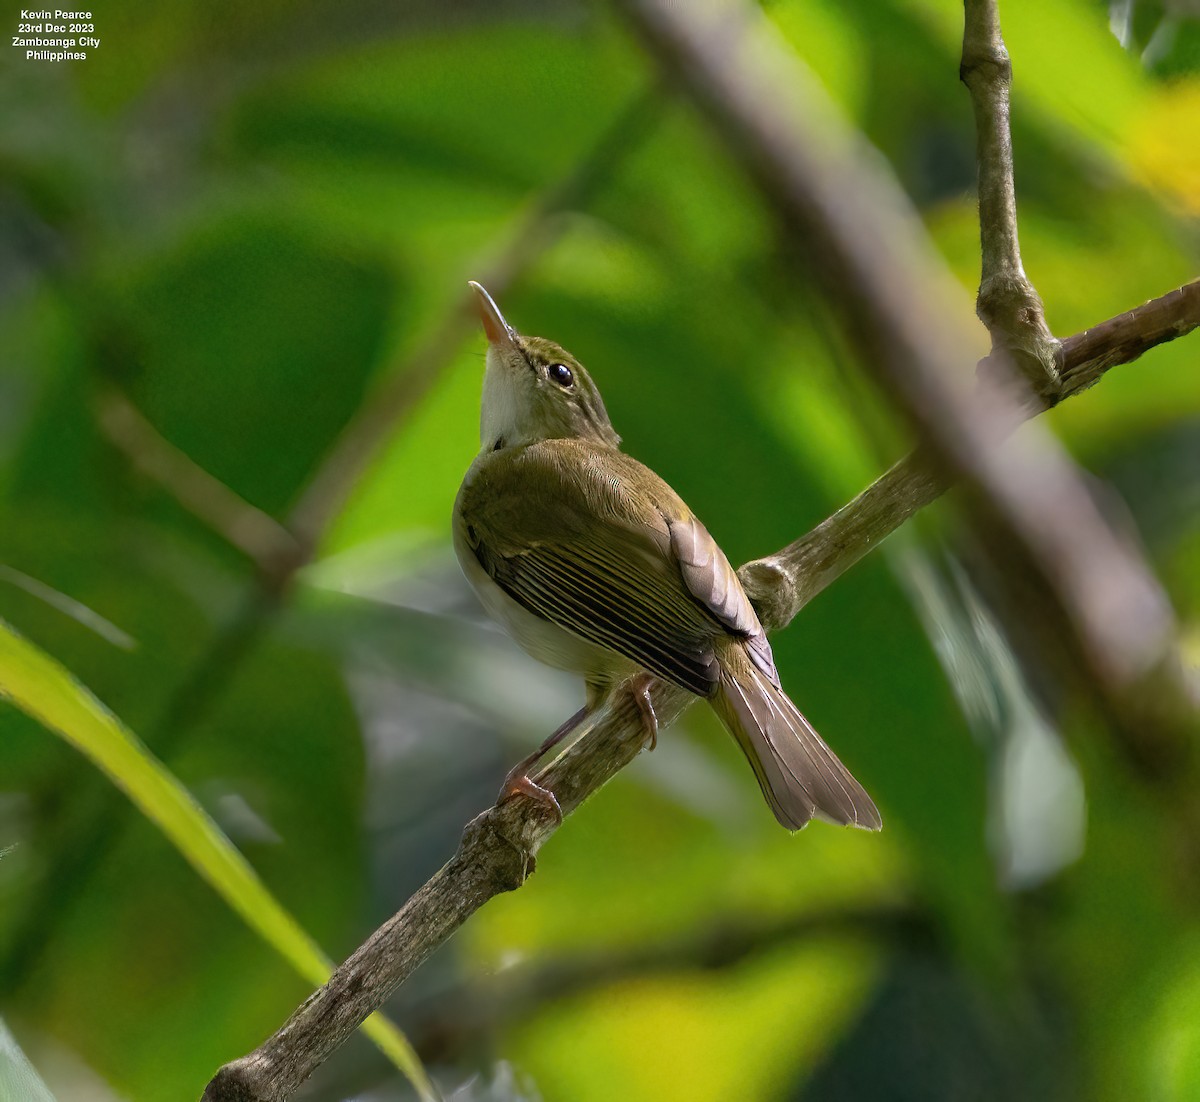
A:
(799, 775)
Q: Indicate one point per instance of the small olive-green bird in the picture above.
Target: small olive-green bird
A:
(594, 564)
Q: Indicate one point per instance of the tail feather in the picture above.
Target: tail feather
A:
(800, 776)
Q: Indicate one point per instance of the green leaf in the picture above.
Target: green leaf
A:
(40, 686)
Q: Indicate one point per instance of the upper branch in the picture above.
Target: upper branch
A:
(1087, 355)
(783, 583)
(1007, 304)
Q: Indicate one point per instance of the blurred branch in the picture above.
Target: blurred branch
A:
(255, 533)
(832, 197)
(1007, 303)
(375, 421)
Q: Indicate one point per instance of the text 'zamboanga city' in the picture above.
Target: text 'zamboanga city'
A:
(38, 35)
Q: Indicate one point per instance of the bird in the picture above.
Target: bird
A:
(593, 564)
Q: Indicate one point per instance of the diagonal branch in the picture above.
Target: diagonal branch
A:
(242, 525)
(499, 846)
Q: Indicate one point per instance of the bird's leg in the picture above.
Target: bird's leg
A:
(639, 690)
(518, 781)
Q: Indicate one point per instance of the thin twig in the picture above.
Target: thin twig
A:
(1087, 355)
(68, 606)
(1008, 304)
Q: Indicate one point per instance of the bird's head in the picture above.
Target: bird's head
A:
(535, 390)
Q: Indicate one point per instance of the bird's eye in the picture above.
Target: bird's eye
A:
(561, 374)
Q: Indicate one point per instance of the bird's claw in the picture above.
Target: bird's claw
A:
(518, 783)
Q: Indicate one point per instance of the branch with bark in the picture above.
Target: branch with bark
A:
(1008, 304)
(499, 847)
(901, 307)
(783, 583)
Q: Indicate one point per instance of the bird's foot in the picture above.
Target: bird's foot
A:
(639, 690)
(519, 783)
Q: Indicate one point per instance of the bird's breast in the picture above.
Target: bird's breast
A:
(545, 641)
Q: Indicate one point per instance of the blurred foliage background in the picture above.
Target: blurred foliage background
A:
(235, 226)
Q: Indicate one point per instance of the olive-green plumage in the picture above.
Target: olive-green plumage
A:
(594, 564)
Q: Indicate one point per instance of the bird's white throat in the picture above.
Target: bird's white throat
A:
(504, 412)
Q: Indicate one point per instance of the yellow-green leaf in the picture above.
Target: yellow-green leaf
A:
(43, 688)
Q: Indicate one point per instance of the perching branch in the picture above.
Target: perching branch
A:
(910, 328)
(497, 854)
(499, 846)
(1007, 304)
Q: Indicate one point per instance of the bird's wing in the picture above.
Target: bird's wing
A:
(715, 584)
(556, 528)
